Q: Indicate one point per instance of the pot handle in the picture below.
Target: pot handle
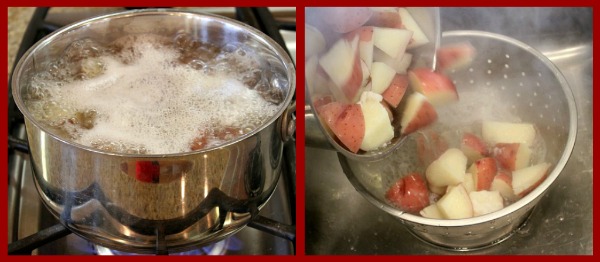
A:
(287, 125)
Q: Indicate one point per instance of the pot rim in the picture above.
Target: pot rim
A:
(255, 33)
(533, 196)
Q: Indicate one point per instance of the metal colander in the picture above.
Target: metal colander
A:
(507, 81)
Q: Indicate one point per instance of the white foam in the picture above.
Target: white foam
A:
(158, 103)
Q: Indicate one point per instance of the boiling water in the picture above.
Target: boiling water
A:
(153, 94)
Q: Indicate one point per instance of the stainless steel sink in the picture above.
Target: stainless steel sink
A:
(340, 221)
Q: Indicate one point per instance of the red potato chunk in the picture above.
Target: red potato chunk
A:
(437, 87)
(512, 156)
(409, 193)
(395, 92)
(455, 56)
(417, 114)
(347, 123)
(483, 171)
(473, 147)
(342, 64)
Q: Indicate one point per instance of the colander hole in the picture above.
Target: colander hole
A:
(471, 69)
(503, 87)
(530, 104)
(537, 83)
(471, 81)
(539, 74)
(506, 66)
(554, 119)
(534, 93)
(489, 61)
(507, 56)
(453, 71)
(513, 107)
(541, 115)
(518, 94)
(454, 82)
(520, 83)
(550, 97)
(489, 72)
(546, 106)
(505, 76)
(547, 127)
(523, 73)
(488, 83)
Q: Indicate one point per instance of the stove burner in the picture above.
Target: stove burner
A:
(215, 249)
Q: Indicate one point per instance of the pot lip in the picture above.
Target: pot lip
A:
(255, 33)
(528, 201)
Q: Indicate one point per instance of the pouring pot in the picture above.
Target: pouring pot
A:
(144, 202)
(507, 81)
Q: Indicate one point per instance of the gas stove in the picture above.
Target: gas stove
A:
(33, 230)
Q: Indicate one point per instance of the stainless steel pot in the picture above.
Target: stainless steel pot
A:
(140, 203)
(526, 85)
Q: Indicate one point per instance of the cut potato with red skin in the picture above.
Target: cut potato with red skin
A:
(392, 41)
(395, 92)
(419, 38)
(343, 66)
(503, 183)
(385, 18)
(437, 87)
(473, 147)
(527, 179)
(329, 113)
(378, 127)
(512, 156)
(364, 33)
(409, 193)
(365, 44)
(494, 132)
(484, 170)
(417, 114)
(347, 123)
(345, 19)
(455, 56)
